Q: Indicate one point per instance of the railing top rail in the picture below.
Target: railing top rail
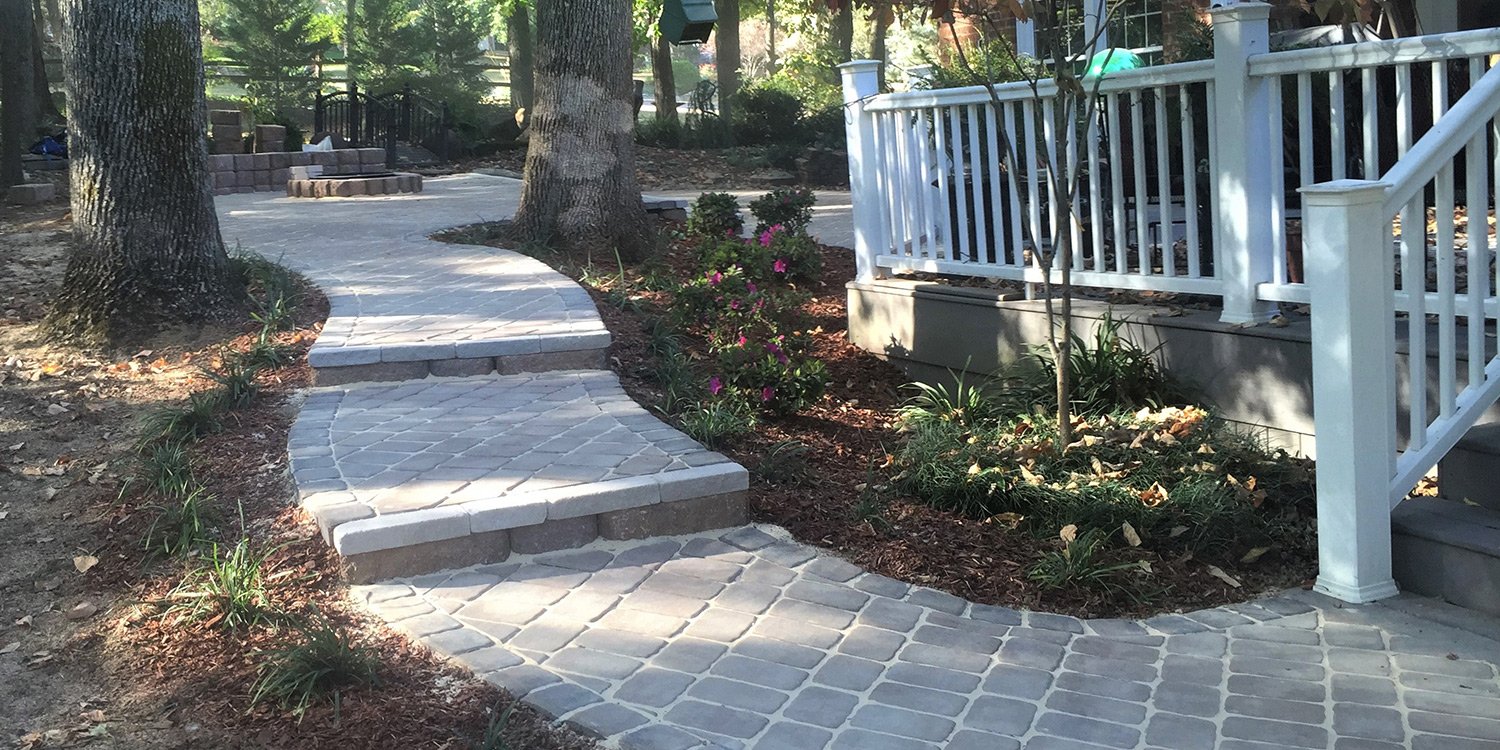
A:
(1200, 71)
(1455, 45)
(1463, 122)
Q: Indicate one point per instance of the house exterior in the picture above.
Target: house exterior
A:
(1164, 29)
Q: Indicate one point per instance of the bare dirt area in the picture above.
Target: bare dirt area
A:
(93, 652)
(744, 168)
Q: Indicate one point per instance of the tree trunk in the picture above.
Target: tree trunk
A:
(884, 16)
(580, 192)
(18, 126)
(522, 76)
(771, 61)
(727, 62)
(843, 30)
(351, 25)
(665, 80)
(148, 248)
(41, 87)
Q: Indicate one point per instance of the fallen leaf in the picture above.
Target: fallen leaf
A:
(85, 562)
(10, 648)
(1254, 554)
(1068, 533)
(1131, 537)
(24, 622)
(82, 611)
(1214, 571)
(56, 409)
(95, 716)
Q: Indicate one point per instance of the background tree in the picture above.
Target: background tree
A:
(645, 17)
(519, 40)
(17, 98)
(580, 192)
(47, 113)
(727, 61)
(386, 43)
(277, 41)
(148, 248)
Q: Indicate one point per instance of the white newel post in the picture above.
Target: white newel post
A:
(861, 81)
(1349, 269)
(1242, 134)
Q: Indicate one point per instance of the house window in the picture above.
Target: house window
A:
(1137, 25)
(1069, 29)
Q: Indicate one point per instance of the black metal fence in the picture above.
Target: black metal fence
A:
(381, 121)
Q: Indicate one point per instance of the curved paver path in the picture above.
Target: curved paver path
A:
(743, 639)
(749, 640)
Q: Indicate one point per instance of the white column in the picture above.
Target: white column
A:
(1026, 37)
(861, 81)
(1241, 130)
(1349, 269)
(1094, 14)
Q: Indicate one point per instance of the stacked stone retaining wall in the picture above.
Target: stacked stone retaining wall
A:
(251, 173)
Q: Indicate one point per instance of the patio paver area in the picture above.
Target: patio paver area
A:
(746, 640)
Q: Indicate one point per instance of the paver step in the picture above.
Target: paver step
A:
(407, 478)
(1449, 550)
(1468, 471)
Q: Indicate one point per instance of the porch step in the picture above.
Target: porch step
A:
(413, 477)
(1469, 471)
(1450, 550)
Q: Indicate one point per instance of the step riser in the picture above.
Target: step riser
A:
(1460, 576)
(1470, 475)
(664, 519)
(384, 372)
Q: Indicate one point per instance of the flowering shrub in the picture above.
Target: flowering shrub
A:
(715, 215)
(791, 207)
(771, 375)
(774, 255)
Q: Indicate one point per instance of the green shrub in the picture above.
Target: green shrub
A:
(717, 422)
(784, 463)
(235, 381)
(659, 133)
(790, 207)
(825, 127)
(765, 114)
(995, 62)
(770, 375)
(965, 405)
(715, 215)
(324, 662)
(229, 589)
(1108, 373)
(794, 256)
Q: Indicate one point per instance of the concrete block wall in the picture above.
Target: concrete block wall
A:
(250, 173)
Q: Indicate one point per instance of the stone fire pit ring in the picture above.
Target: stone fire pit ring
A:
(353, 185)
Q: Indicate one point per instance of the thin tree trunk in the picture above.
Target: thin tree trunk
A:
(148, 248)
(727, 62)
(884, 16)
(41, 87)
(18, 116)
(665, 79)
(522, 76)
(580, 192)
(771, 61)
(351, 24)
(843, 30)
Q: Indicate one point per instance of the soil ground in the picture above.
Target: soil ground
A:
(744, 168)
(89, 654)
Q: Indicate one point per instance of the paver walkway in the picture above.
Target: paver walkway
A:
(740, 638)
(747, 640)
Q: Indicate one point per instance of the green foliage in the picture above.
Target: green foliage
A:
(199, 416)
(718, 421)
(323, 662)
(789, 207)
(679, 381)
(659, 133)
(181, 524)
(236, 382)
(965, 405)
(765, 114)
(1110, 372)
(715, 215)
(494, 731)
(432, 45)
(992, 62)
(278, 42)
(1085, 561)
(784, 463)
(229, 589)
(166, 469)
(1181, 479)
(795, 257)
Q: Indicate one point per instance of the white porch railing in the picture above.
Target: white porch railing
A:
(1190, 178)
(1352, 226)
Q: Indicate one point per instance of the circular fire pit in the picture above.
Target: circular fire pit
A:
(350, 185)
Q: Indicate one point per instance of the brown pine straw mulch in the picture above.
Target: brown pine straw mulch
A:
(94, 658)
(850, 434)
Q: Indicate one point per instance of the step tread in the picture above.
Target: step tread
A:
(1449, 522)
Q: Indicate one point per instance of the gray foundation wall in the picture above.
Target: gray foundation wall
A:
(1260, 377)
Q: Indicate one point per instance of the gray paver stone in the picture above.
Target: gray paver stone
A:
(1000, 715)
(606, 720)
(718, 719)
(561, 699)
(820, 706)
(919, 698)
(970, 740)
(1181, 732)
(1086, 729)
(899, 721)
(660, 737)
(653, 687)
(737, 695)
(848, 672)
(785, 735)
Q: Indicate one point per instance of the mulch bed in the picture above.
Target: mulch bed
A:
(849, 435)
(663, 168)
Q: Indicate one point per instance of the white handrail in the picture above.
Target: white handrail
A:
(1442, 143)
(1459, 44)
(1127, 80)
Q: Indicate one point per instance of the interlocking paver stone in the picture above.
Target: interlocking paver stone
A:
(896, 674)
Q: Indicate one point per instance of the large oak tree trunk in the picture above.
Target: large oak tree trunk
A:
(41, 87)
(18, 113)
(522, 77)
(580, 192)
(843, 30)
(727, 61)
(665, 80)
(148, 248)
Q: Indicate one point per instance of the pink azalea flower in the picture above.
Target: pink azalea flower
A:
(779, 266)
(734, 304)
(765, 238)
(750, 287)
(767, 393)
(715, 385)
(743, 340)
